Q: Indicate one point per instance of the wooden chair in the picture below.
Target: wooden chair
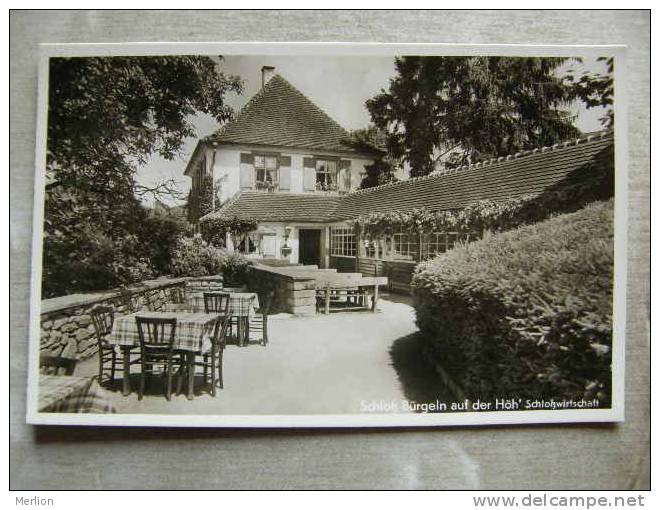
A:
(52, 365)
(213, 358)
(177, 300)
(103, 318)
(258, 324)
(157, 347)
(216, 302)
(177, 295)
(126, 300)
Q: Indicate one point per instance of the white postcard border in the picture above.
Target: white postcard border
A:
(615, 414)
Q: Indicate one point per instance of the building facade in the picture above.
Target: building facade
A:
(281, 144)
(283, 163)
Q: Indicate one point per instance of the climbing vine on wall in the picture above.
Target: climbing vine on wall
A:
(215, 230)
(479, 216)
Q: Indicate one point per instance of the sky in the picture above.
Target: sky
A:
(338, 85)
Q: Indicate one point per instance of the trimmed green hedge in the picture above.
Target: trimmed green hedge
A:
(525, 313)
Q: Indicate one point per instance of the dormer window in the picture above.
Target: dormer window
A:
(267, 172)
(326, 175)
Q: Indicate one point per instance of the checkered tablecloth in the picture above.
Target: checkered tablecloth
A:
(241, 304)
(193, 330)
(71, 394)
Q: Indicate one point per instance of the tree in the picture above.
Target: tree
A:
(202, 201)
(106, 116)
(598, 90)
(373, 140)
(457, 110)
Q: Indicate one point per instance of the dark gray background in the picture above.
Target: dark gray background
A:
(541, 457)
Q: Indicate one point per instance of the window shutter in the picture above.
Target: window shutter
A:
(345, 175)
(309, 174)
(285, 173)
(247, 171)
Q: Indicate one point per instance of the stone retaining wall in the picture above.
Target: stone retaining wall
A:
(66, 324)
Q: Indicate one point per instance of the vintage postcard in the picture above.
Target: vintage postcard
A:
(328, 235)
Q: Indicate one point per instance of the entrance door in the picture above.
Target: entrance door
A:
(309, 247)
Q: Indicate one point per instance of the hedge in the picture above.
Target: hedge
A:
(192, 256)
(525, 313)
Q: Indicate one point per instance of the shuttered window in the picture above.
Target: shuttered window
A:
(326, 175)
(266, 170)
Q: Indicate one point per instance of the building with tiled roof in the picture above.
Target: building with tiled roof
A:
(306, 207)
(316, 225)
(279, 115)
(517, 175)
(282, 155)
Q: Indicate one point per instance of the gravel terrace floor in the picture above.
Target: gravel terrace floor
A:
(326, 364)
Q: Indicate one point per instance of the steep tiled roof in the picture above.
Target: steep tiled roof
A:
(281, 115)
(265, 206)
(528, 173)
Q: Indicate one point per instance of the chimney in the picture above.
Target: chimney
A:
(267, 72)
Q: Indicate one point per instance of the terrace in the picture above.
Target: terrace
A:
(311, 364)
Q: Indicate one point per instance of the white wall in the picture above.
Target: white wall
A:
(227, 169)
(358, 171)
(278, 228)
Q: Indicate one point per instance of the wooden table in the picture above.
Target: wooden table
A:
(193, 335)
(330, 283)
(242, 306)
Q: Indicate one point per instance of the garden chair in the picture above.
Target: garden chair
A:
(258, 325)
(103, 318)
(56, 365)
(177, 300)
(157, 348)
(126, 300)
(216, 302)
(177, 295)
(213, 357)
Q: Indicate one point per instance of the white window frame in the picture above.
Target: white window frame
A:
(342, 242)
(274, 182)
(249, 240)
(442, 242)
(405, 246)
(321, 166)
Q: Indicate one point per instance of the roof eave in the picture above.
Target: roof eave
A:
(347, 152)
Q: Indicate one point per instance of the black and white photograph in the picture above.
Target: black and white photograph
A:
(328, 235)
